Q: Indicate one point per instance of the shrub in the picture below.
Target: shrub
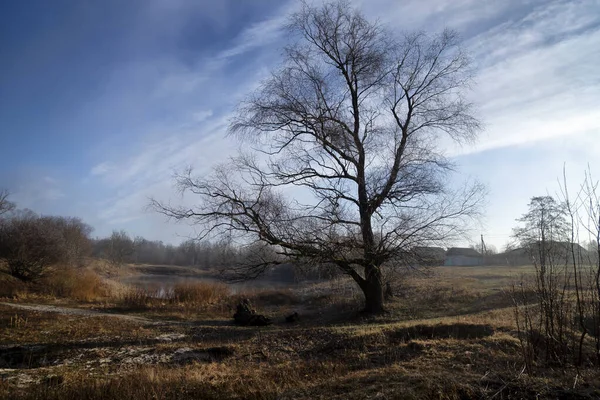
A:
(30, 245)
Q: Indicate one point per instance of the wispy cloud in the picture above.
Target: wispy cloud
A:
(33, 191)
(548, 91)
(197, 137)
(535, 83)
(202, 115)
(101, 169)
(166, 105)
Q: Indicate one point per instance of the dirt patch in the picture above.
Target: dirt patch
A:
(188, 356)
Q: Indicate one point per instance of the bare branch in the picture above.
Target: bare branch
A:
(5, 205)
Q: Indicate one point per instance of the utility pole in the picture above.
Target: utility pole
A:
(483, 248)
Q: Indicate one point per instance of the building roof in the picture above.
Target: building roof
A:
(462, 251)
(429, 250)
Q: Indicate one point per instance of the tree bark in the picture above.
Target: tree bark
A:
(372, 288)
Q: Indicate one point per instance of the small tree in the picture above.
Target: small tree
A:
(354, 117)
(544, 236)
(545, 231)
(589, 218)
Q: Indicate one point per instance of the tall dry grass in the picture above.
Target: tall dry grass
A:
(197, 296)
(74, 283)
(199, 293)
(137, 298)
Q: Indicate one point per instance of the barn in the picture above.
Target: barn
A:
(463, 256)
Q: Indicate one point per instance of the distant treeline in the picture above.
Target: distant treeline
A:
(120, 248)
(32, 245)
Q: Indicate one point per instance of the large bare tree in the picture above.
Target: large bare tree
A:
(348, 167)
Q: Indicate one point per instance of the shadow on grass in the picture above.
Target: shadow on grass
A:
(442, 331)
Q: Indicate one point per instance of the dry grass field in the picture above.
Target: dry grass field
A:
(448, 334)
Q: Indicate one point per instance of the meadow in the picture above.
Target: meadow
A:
(449, 333)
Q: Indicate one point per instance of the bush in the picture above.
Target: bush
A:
(30, 245)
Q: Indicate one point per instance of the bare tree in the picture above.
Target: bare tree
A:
(120, 247)
(76, 234)
(352, 123)
(544, 231)
(5, 204)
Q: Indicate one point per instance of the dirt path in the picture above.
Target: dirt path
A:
(82, 312)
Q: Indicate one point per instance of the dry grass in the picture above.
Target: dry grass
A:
(11, 288)
(138, 299)
(404, 360)
(76, 284)
(31, 327)
(440, 340)
(199, 294)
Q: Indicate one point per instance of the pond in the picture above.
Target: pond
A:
(162, 283)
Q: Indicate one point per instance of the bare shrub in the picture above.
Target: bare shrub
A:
(30, 244)
(559, 310)
(544, 306)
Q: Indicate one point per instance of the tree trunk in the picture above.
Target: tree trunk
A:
(372, 288)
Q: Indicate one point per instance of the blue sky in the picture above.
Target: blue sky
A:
(101, 101)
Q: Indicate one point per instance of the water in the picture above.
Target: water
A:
(163, 283)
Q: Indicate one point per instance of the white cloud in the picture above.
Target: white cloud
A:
(202, 115)
(101, 169)
(434, 15)
(546, 92)
(197, 138)
(257, 35)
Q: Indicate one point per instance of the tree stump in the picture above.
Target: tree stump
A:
(245, 315)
